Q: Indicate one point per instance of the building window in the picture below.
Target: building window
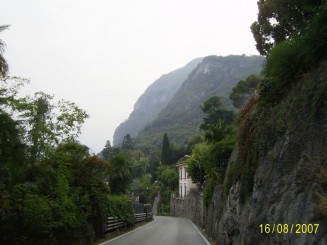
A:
(185, 173)
(184, 190)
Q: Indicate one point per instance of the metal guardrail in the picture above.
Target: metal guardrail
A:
(112, 223)
(140, 217)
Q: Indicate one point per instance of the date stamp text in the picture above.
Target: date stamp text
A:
(289, 228)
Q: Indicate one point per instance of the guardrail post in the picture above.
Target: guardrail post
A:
(104, 225)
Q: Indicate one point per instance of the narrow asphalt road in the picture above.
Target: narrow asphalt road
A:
(162, 231)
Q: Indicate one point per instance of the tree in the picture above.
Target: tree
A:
(9, 100)
(168, 175)
(176, 152)
(142, 186)
(127, 143)
(279, 20)
(120, 175)
(196, 139)
(47, 124)
(107, 151)
(154, 161)
(63, 198)
(198, 160)
(140, 167)
(209, 159)
(214, 110)
(288, 60)
(218, 131)
(212, 105)
(244, 90)
(166, 150)
(11, 148)
(3, 63)
(41, 126)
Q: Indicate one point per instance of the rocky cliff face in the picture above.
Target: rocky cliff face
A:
(154, 99)
(290, 179)
(214, 76)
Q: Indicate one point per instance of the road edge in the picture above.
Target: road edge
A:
(113, 239)
(197, 229)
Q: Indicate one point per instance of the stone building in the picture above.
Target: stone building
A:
(189, 203)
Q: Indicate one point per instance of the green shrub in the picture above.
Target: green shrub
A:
(120, 207)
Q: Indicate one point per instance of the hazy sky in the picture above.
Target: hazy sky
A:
(103, 54)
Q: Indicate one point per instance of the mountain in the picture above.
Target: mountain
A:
(153, 100)
(180, 119)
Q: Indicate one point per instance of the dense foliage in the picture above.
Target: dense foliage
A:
(290, 59)
(281, 20)
(52, 191)
(208, 161)
(244, 90)
(120, 177)
(127, 143)
(168, 183)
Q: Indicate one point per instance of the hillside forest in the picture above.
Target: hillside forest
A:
(54, 191)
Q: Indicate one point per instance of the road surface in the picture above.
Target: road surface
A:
(162, 231)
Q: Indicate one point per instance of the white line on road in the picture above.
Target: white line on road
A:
(104, 243)
(203, 237)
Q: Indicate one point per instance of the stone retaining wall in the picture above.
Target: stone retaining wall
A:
(190, 207)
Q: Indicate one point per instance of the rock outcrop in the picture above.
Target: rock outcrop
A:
(290, 179)
(154, 99)
(182, 116)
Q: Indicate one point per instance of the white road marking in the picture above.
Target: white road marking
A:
(203, 237)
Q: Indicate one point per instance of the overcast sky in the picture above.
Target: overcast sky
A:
(103, 54)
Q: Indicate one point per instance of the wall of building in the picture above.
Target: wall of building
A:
(185, 182)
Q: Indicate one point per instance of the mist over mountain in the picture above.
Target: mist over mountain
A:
(180, 119)
(152, 101)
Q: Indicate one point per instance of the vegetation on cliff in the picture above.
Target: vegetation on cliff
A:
(291, 98)
(288, 98)
(277, 171)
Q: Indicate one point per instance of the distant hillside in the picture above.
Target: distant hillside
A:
(154, 99)
(182, 116)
